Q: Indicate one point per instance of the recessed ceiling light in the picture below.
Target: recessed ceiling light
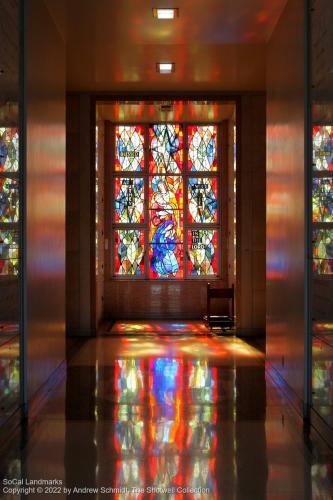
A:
(165, 13)
(165, 68)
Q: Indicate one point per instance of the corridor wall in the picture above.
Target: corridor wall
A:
(45, 192)
(285, 271)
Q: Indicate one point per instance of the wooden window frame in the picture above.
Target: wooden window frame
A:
(222, 193)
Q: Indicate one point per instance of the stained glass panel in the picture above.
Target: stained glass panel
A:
(202, 148)
(129, 200)
(202, 200)
(9, 149)
(322, 147)
(129, 148)
(9, 200)
(129, 252)
(166, 149)
(9, 249)
(323, 251)
(165, 194)
(322, 199)
(166, 226)
(202, 251)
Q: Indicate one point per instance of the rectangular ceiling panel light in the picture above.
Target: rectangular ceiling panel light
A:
(165, 68)
(165, 13)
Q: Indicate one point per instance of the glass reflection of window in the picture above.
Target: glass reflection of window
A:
(9, 379)
(9, 200)
(129, 425)
(151, 192)
(323, 251)
(166, 427)
(322, 199)
(96, 200)
(201, 437)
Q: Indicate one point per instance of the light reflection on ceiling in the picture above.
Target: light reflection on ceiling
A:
(165, 111)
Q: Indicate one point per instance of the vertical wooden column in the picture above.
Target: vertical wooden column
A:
(80, 225)
(251, 216)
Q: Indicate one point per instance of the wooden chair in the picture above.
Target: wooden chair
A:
(222, 322)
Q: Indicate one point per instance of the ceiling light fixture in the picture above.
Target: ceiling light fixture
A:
(165, 68)
(165, 13)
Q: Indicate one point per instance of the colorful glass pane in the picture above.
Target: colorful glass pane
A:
(9, 149)
(202, 148)
(165, 149)
(166, 259)
(129, 252)
(129, 148)
(9, 200)
(202, 251)
(202, 200)
(166, 226)
(323, 251)
(129, 199)
(322, 147)
(9, 250)
(165, 194)
(322, 199)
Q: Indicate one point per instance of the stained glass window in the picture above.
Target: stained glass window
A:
(323, 147)
(129, 148)
(149, 203)
(202, 199)
(9, 200)
(322, 199)
(129, 244)
(9, 152)
(202, 251)
(9, 252)
(323, 251)
(129, 198)
(166, 149)
(202, 149)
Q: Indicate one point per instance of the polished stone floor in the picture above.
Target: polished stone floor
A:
(196, 417)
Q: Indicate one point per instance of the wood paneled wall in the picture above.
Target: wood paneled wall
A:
(155, 299)
(285, 197)
(45, 195)
(251, 216)
(80, 228)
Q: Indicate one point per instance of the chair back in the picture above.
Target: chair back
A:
(220, 293)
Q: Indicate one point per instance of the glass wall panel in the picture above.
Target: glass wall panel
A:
(10, 216)
(322, 207)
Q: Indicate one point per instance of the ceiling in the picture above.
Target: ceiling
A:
(216, 45)
(166, 111)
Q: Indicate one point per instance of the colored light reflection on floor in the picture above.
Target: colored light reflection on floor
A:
(159, 327)
(169, 434)
(9, 374)
(145, 346)
(321, 326)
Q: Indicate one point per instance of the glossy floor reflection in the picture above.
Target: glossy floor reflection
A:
(185, 418)
(9, 373)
